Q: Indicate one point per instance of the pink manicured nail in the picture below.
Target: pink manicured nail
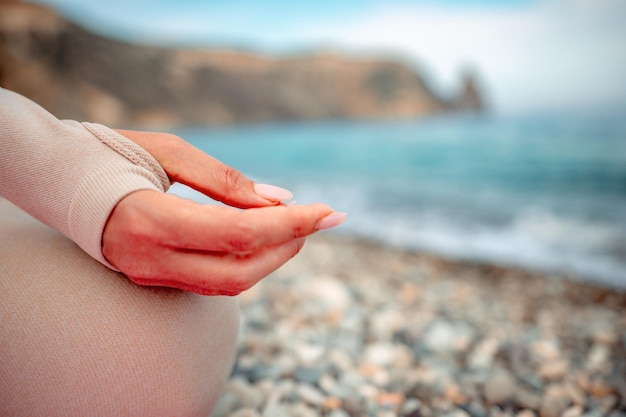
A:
(272, 192)
(332, 220)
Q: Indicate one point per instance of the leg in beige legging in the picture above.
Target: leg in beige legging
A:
(77, 339)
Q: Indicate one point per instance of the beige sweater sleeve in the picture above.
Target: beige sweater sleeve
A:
(69, 175)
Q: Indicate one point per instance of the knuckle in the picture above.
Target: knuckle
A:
(242, 237)
(232, 178)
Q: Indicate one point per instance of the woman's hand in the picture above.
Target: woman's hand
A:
(161, 239)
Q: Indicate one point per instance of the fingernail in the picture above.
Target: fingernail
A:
(332, 220)
(272, 192)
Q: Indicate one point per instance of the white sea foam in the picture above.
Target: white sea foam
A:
(533, 238)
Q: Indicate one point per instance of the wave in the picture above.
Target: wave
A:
(531, 237)
(543, 243)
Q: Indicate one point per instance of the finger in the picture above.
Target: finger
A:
(191, 166)
(223, 229)
(221, 182)
(218, 274)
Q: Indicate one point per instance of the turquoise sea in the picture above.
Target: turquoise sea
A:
(545, 193)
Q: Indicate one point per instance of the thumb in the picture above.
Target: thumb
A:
(189, 165)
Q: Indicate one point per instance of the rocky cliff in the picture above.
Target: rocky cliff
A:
(77, 74)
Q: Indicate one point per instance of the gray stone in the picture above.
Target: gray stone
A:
(258, 371)
(309, 353)
(302, 410)
(598, 358)
(310, 394)
(333, 294)
(248, 395)
(476, 409)
(338, 412)
(576, 395)
(573, 411)
(526, 398)
(411, 405)
(245, 412)
(552, 406)
(457, 413)
(307, 374)
(381, 354)
(227, 403)
(483, 354)
(500, 387)
(440, 336)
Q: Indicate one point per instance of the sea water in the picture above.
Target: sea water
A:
(546, 193)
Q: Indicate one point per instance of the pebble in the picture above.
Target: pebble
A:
(227, 403)
(392, 400)
(573, 411)
(605, 335)
(476, 409)
(310, 395)
(453, 393)
(499, 412)
(483, 354)
(554, 369)
(381, 354)
(330, 293)
(308, 374)
(576, 395)
(457, 413)
(411, 406)
(378, 375)
(500, 387)
(338, 413)
(246, 412)
(247, 395)
(309, 353)
(545, 350)
(331, 403)
(443, 336)
(552, 406)
(600, 388)
(598, 358)
(302, 410)
(339, 338)
(528, 399)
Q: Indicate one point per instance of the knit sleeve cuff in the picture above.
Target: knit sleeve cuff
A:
(108, 183)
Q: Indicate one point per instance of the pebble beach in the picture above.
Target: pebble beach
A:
(351, 328)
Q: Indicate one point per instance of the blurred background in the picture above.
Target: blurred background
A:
(484, 130)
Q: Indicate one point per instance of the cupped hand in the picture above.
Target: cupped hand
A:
(163, 240)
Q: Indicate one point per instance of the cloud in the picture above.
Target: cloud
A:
(547, 55)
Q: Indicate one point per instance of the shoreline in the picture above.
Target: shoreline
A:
(492, 269)
(353, 328)
(469, 262)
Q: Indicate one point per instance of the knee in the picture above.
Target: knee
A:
(161, 356)
(178, 359)
(191, 362)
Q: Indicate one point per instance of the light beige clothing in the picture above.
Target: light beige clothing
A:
(67, 174)
(77, 338)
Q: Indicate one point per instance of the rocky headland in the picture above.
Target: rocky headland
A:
(75, 73)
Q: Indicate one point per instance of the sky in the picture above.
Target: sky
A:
(529, 55)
